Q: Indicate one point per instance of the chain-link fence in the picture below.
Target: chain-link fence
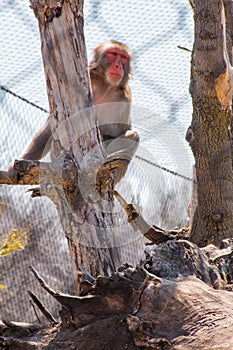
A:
(158, 181)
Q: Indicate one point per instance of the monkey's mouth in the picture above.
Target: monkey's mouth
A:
(115, 76)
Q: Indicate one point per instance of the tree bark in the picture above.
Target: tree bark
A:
(134, 309)
(211, 89)
(85, 216)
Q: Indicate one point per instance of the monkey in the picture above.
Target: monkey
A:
(109, 71)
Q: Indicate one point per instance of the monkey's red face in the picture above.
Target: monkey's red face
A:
(117, 61)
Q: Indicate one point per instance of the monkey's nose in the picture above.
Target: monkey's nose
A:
(118, 65)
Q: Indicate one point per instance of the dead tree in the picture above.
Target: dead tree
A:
(70, 180)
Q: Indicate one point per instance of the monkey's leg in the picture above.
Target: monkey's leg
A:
(122, 147)
(120, 151)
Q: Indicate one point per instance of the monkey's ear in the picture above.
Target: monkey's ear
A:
(95, 69)
(93, 65)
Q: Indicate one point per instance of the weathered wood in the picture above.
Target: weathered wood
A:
(42, 308)
(115, 295)
(20, 327)
(211, 87)
(28, 173)
(180, 310)
(5, 178)
(155, 234)
(86, 218)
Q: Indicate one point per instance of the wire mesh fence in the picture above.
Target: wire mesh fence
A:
(158, 181)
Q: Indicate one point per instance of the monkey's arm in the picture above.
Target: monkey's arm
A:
(40, 144)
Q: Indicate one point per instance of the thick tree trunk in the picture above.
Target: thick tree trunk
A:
(76, 138)
(210, 140)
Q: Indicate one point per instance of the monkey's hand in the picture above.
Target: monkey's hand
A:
(5, 178)
(116, 167)
(13, 174)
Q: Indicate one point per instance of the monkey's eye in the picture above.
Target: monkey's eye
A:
(111, 54)
(124, 58)
(114, 54)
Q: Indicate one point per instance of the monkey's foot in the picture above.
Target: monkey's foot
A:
(110, 173)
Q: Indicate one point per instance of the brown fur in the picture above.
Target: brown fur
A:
(112, 107)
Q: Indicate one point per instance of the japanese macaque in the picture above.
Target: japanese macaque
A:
(110, 70)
